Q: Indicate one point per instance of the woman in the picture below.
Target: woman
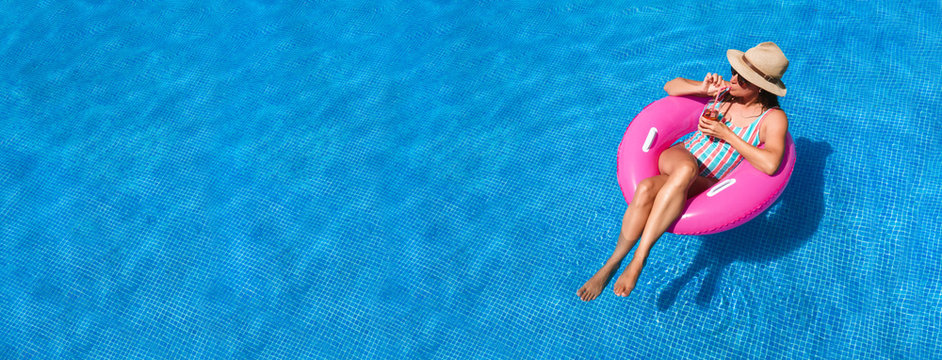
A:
(749, 116)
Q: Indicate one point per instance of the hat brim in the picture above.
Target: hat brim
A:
(735, 60)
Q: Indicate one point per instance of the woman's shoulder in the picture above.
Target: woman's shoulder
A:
(775, 120)
(777, 113)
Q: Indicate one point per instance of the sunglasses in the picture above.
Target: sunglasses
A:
(742, 82)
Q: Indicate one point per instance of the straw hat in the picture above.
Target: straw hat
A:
(762, 65)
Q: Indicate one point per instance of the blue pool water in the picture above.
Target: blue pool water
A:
(435, 179)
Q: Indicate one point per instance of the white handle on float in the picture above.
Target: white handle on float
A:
(649, 141)
(720, 187)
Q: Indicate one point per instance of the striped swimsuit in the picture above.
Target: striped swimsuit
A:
(717, 157)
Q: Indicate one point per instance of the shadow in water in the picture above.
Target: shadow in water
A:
(785, 227)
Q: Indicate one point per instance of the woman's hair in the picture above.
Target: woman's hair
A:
(767, 99)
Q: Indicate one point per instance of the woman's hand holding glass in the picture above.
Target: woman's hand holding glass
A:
(711, 126)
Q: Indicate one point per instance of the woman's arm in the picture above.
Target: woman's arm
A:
(708, 87)
(772, 133)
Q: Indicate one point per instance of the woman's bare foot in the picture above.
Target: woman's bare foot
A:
(592, 288)
(626, 282)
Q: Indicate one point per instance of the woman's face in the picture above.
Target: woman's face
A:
(741, 88)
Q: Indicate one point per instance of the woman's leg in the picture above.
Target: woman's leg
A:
(681, 170)
(631, 226)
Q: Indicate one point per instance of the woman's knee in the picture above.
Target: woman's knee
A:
(677, 161)
(685, 171)
(646, 191)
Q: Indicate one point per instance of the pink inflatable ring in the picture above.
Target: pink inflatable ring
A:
(738, 197)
